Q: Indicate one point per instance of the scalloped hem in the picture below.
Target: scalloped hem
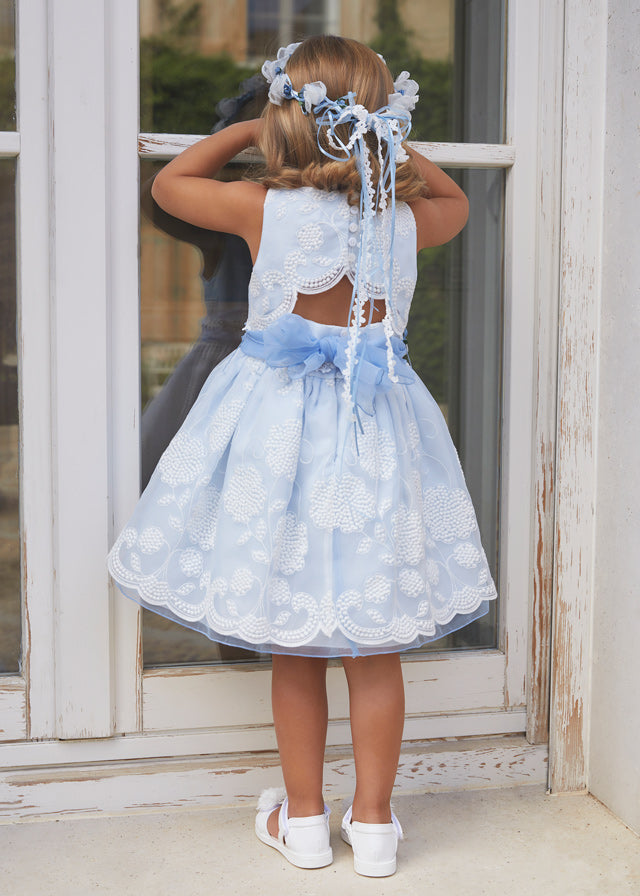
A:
(349, 648)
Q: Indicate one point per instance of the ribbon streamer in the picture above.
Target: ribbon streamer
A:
(391, 125)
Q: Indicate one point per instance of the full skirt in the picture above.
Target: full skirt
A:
(274, 522)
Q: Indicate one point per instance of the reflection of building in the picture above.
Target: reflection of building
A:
(171, 290)
(7, 30)
(250, 28)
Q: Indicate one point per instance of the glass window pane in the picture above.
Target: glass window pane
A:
(195, 55)
(198, 72)
(455, 338)
(7, 66)
(10, 622)
(191, 318)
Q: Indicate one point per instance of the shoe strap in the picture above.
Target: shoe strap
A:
(397, 826)
(394, 820)
(283, 820)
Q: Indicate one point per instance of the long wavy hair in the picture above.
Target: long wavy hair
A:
(289, 138)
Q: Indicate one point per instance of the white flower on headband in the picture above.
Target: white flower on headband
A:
(273, 67)
(313, 94)
(281, 88)
(406, 94)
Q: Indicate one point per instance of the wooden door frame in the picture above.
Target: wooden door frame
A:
(579, 284)
(568, 280)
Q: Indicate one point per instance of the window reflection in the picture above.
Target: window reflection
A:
(171, 377)
(9, 443)
(274, 23)
(195, 54)
(185, 334)
(455, 338)
(7, 66)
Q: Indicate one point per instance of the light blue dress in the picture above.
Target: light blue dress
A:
(273, 521)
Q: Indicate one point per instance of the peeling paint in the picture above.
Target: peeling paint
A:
(141, 786)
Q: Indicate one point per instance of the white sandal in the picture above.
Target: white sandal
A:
(374, 845)
(302, 841)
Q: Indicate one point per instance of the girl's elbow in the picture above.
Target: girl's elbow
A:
(156, 187)
(459, 219)
(161, 189)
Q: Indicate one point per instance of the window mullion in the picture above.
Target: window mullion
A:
(79, 277)
(454, 155)
(34, 360)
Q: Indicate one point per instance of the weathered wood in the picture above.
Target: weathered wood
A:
(193, 697)
(581, 259)
(457, 155)
(549, 152)
(208, 782)
(124, 354)
(35, 366)
(241, 740)
(13, 708)
(468, 155)
(516, 457)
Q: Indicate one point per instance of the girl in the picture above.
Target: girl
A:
(312, 504)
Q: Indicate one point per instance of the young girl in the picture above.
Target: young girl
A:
(312, 504)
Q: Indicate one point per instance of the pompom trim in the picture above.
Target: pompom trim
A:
(271, 798)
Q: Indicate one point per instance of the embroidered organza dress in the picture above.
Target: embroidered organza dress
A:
(274, 522)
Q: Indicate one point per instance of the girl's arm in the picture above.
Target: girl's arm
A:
(440, 217)
(185, 187)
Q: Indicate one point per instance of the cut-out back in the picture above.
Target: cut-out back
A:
(332, 306)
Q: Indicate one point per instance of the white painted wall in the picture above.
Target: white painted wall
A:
(614, 754)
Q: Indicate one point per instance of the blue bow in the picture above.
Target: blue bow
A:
(290, 342)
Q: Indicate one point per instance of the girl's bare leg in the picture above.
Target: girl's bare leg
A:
(376, 709)
(300, 714)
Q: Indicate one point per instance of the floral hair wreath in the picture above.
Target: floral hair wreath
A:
(403, 100)
(391, 124)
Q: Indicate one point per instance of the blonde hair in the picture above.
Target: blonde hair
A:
(289, 138)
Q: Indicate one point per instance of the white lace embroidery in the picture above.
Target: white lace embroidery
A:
(314, 256)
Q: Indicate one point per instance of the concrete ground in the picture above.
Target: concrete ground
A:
(471, 843)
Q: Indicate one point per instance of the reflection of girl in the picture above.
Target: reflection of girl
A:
(226, 269)
(312, 504)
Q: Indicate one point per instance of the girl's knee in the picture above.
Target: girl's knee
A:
(382, 672)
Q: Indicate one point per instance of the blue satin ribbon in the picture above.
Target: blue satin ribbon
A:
(329, 115)
(290, 342)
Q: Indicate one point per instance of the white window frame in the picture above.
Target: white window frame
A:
(82, 677)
